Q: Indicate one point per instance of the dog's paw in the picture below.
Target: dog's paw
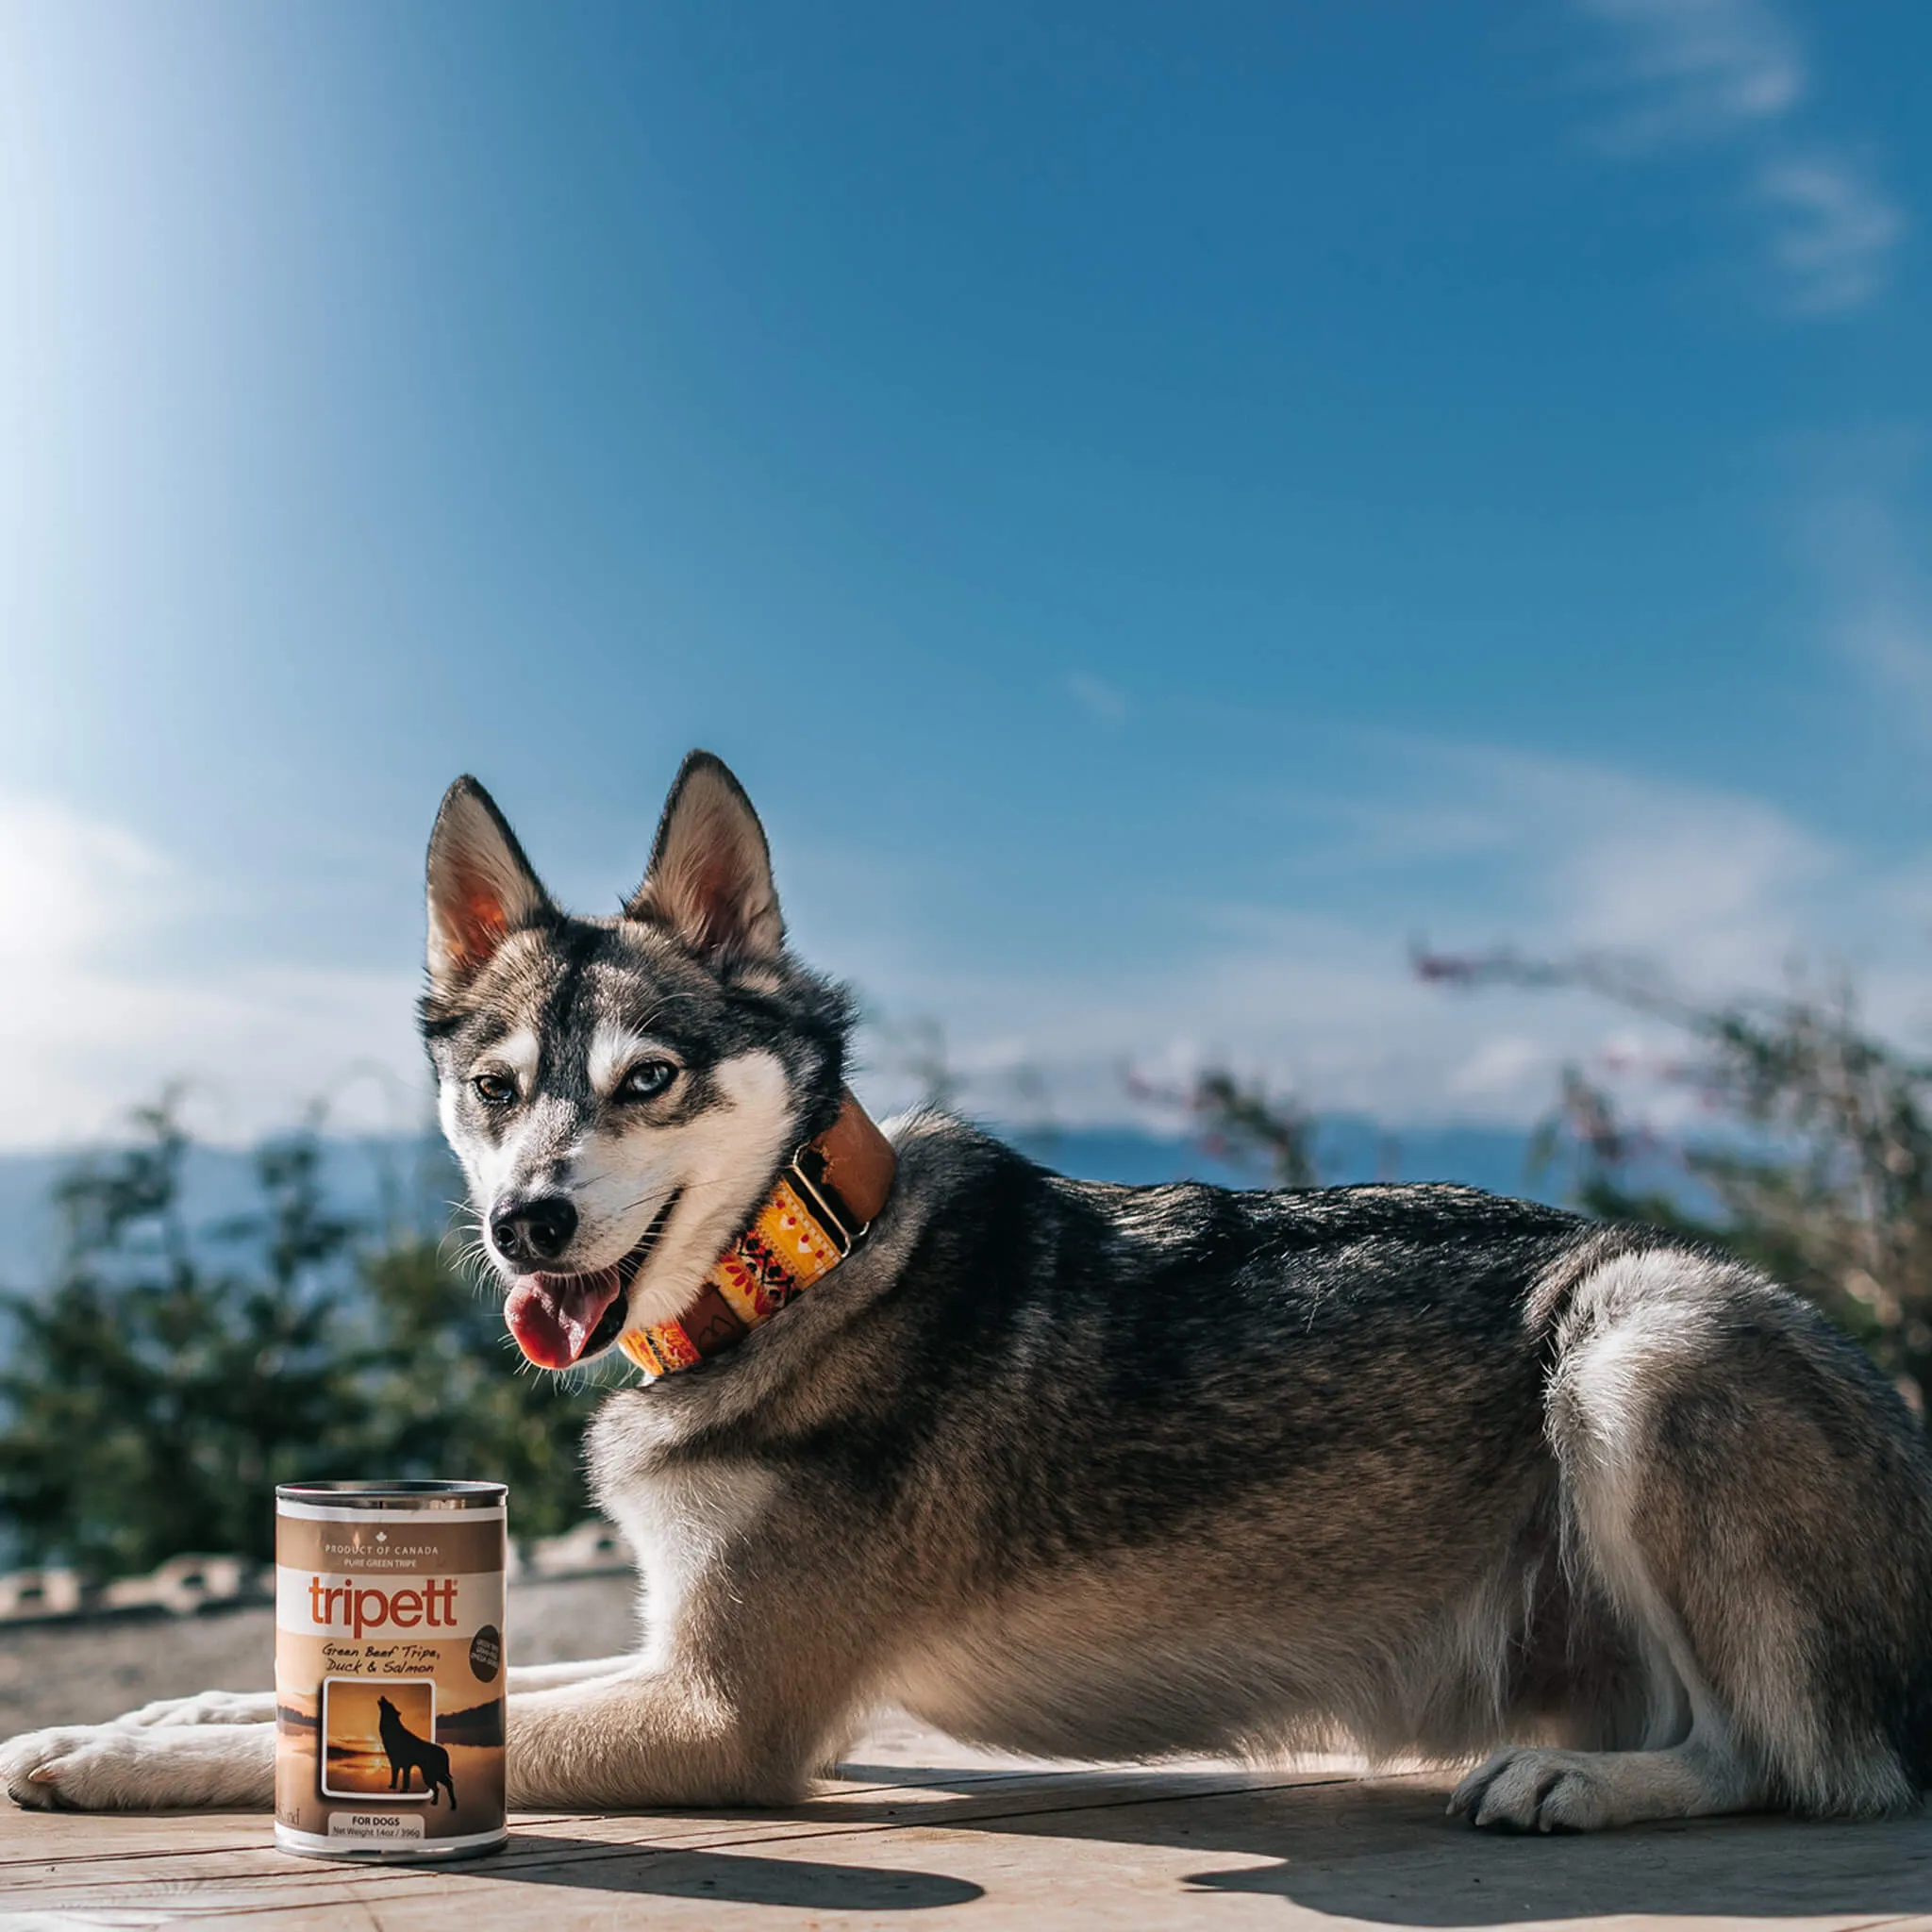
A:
(207, 1707)
(122, 1768)
(28, 1763)
(1528, 1790)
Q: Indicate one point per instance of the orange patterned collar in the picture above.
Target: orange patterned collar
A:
(818, 1211)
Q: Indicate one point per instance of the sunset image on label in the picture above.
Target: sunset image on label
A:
(379, 1737)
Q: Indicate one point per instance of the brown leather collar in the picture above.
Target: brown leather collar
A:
(818, 1211)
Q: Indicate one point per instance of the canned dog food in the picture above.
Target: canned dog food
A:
(388, 1668)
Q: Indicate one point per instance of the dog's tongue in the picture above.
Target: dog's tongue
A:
(552, 1315)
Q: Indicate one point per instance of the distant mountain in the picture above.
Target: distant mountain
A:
(480, 1725)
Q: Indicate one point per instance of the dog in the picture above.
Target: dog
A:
(408, 1753)
(1077, 1469)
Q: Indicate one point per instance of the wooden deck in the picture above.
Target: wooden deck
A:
(921, 1832)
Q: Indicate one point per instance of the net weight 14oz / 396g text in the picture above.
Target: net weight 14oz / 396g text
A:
(389, 1668)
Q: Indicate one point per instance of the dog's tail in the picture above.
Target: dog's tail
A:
(1794, 1640)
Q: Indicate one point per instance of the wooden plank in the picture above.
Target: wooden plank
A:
(994, 1845)
(1158, 1871)
(860, 1810)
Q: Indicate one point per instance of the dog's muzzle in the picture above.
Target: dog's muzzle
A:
(559, 1320)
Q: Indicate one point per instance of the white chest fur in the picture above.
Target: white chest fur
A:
(682, 1524)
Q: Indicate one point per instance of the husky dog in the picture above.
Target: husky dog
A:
(1104, 1472)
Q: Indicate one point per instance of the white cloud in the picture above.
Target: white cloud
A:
(1698, 70)
(66, 882)
(1101, 701)
(1832, 233)
(1500, 1068)
(1720, 890)
(93, 1017)
(1729, 76)
(1861, 530)
(1721, 887)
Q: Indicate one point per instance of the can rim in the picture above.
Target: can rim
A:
(418, 1494)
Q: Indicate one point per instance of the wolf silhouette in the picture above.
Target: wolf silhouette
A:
(408, 1753)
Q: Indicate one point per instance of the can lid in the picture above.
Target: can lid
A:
(390, 1495)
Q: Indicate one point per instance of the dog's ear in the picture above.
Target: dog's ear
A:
(481, 888)
(710, 880)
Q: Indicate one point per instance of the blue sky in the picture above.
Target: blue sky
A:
(1160, 506)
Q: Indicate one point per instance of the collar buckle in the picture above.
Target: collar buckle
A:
(807, 1175)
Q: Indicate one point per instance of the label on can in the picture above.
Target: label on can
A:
(388, 1678)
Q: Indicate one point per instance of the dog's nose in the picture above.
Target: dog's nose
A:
(533, 1231)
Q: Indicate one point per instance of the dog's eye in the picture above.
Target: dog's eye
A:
(646, 1080)
(494, 1090)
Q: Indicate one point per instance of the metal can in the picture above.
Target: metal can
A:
(389, 1668)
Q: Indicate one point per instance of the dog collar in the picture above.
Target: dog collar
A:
(819, 1211)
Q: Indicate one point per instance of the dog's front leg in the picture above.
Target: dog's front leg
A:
(658, 1736)
(123, 1767)
(664, 1736)
(207, 1707)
